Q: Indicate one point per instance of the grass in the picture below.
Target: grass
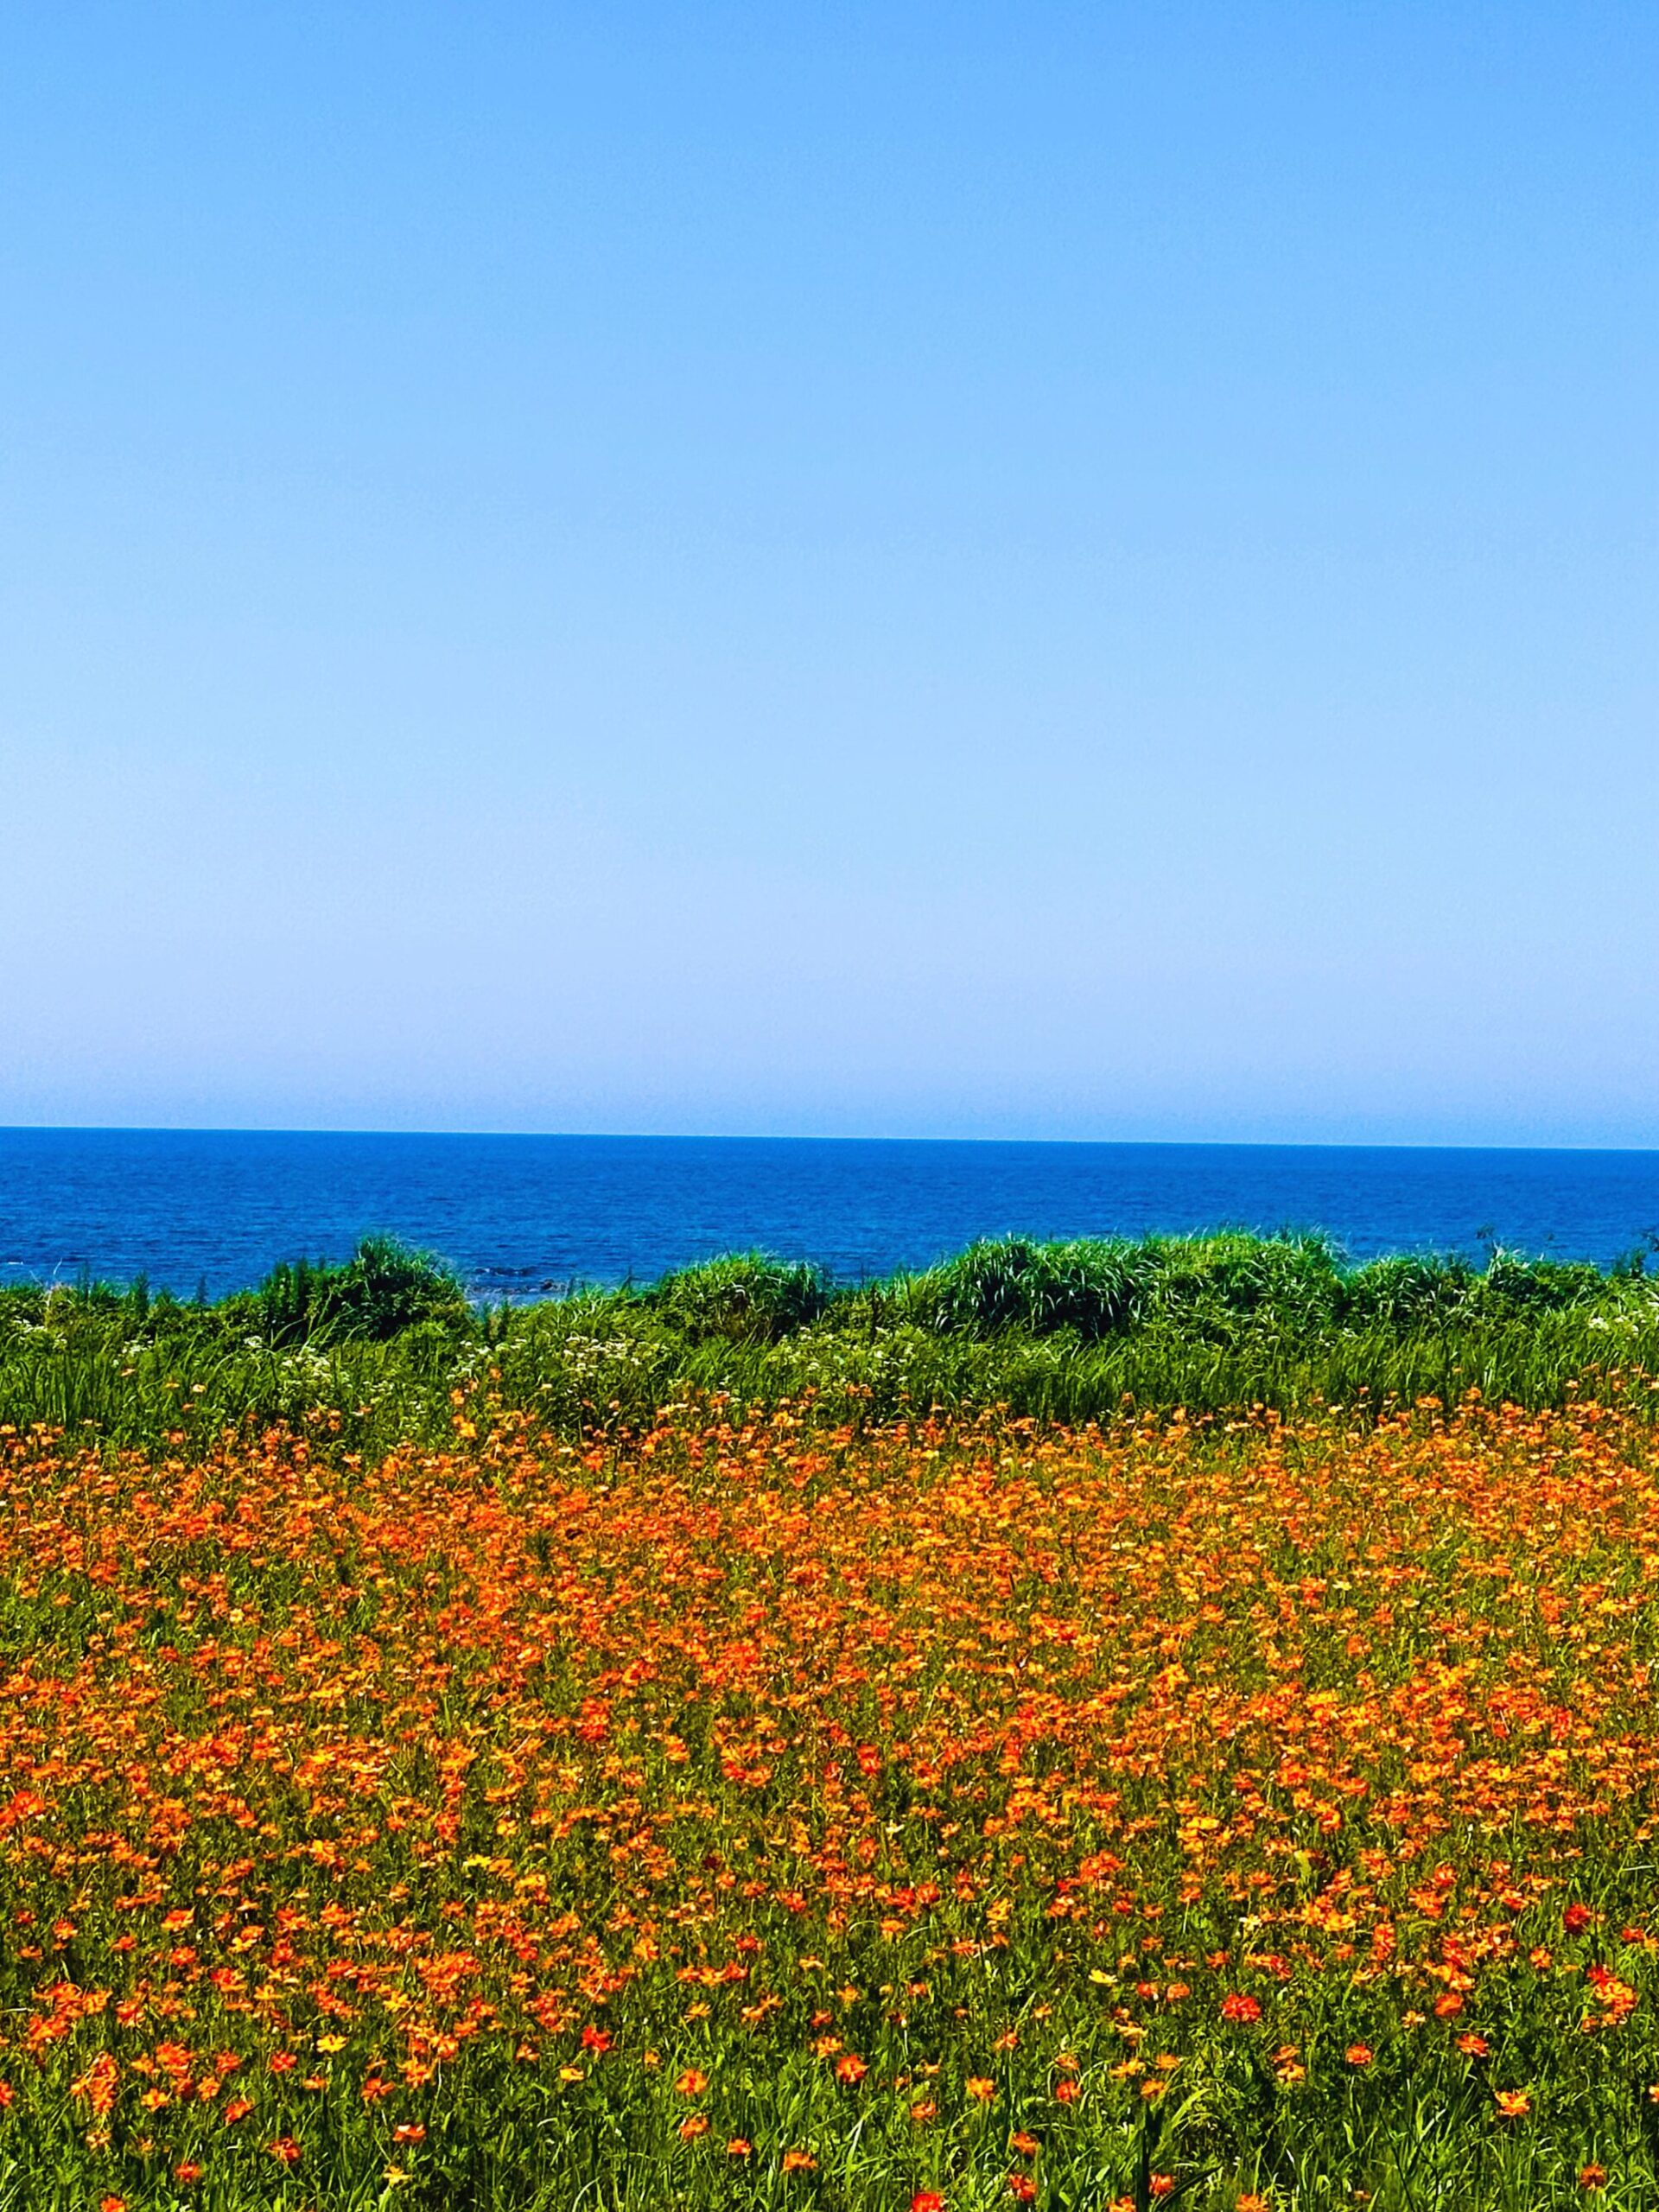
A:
(371, 1354)
(789, 1812)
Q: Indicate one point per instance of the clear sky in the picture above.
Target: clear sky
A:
(966, 569)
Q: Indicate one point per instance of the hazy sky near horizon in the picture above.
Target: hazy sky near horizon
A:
(1040, 570)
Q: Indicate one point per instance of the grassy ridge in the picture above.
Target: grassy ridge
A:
(388, 1349)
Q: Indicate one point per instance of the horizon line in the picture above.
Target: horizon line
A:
(708, 1136)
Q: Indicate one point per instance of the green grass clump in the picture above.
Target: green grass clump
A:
(383, 1289)
(1097, 1288)
(747, 1298)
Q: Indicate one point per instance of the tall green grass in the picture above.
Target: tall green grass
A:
(386, 1348)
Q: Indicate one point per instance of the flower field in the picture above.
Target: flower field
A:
(1229, 1815)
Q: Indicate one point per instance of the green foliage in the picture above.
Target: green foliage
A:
(383, 1289)
(1091, 1288)
(1096, 1288)
(369, 1352)
(745, 1298)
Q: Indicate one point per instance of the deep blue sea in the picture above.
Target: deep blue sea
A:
(520, 1217)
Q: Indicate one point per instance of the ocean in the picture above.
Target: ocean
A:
(523, 1217)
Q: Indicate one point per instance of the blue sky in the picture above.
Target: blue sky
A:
(1010, 570)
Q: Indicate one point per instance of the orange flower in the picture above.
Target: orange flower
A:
(1022, 2187)
(1239, 2006)
(285, 2151)
(1065, 2092)
(739, 2147)
(691, 2083)
(851, 2069)
(1358, 2054)
(1514, 2104)
(100, 2085)
(694, 2125)
(927, 2200)
(798, 2162)
(1593, 2175)
(1161, 2185)
(979, 2088)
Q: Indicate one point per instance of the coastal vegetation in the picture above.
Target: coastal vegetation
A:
(371, 1353)
(1096, 1726)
